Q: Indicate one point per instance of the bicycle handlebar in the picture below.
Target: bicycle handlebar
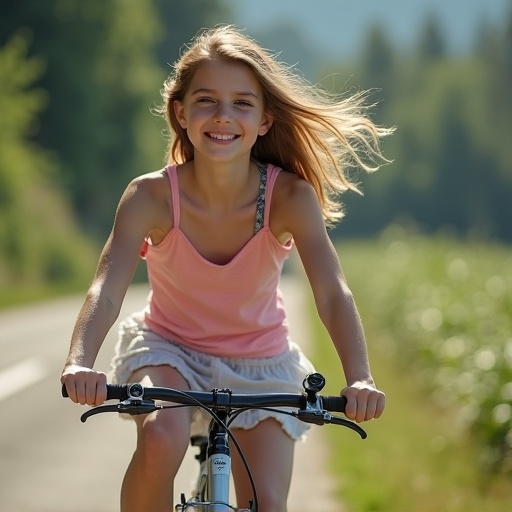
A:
(312, 407)
(208, 399)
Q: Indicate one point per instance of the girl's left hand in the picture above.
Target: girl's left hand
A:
(364, 401)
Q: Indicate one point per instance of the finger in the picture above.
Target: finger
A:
(90, 389)
(381, 404)
(69, 382)
(81, 392)
(371, 406)
(101, 388)
(352, 405)
(362, 405)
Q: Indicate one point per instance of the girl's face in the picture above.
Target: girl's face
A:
(223, 111)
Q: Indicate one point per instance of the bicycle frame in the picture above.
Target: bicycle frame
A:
(212, 493)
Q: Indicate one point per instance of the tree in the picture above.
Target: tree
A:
(378, 71)
(38, 235)
(102, 78)
(431, 47)
(99, 70)
(180, 21)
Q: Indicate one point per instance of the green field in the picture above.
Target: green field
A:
(438, 320)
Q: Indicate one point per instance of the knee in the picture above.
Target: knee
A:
(162, 440)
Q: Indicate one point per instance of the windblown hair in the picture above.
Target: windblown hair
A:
(315, 134)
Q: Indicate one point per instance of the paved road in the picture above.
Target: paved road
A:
(50, 462)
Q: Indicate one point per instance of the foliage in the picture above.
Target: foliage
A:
(98, 73)
(37, 231)
(105, 63)
(447, 307)
(438, 319)
(444, 308)
(451, 152)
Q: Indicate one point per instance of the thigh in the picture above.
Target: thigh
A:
(268, 451)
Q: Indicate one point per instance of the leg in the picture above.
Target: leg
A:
(269, 453)
(162, 440)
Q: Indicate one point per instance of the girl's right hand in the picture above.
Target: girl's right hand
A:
(84, 385)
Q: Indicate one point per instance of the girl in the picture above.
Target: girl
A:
(257, 156)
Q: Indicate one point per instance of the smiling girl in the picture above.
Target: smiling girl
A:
(256, 160)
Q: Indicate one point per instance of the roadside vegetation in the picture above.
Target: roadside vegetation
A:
(438, 318)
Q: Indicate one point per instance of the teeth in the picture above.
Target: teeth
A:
(221, 136)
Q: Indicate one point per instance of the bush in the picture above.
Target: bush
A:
(444, 308)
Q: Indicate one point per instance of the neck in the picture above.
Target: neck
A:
(220, 183)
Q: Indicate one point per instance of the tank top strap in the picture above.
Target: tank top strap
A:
(175, 194)
(260, 203)
(272, 173)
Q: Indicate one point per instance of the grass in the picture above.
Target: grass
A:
(11, 296)
(414, 459)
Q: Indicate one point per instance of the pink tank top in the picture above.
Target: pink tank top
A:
(231, 310)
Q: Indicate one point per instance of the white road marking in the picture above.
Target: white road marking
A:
(20, 376)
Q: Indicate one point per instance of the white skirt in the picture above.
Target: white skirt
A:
(139, 347)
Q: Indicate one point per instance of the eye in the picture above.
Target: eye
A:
(243, 103)
(205, 99)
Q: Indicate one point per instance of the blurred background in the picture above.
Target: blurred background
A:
(427, 248)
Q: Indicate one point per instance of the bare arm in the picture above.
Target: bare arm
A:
(334, 300)
(137, 214)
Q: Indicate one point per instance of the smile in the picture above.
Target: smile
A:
(222, 136)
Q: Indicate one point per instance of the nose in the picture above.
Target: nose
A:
(222, 113)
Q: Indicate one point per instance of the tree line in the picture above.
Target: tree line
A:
(451, 154)
(78, 81)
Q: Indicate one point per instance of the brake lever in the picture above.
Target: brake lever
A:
(322, 417)
(130, 406)
(336, 420)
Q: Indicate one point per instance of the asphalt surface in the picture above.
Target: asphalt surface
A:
(51, 462)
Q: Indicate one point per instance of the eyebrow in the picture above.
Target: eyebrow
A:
(204, 90)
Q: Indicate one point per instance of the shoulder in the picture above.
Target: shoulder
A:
(146, 200)
(295, 195)
(292, 187)
(295, 208)
(150, 190)
(152, 183)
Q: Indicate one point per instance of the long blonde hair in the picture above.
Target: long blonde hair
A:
(317, 135)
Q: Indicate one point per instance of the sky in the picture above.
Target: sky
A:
(339, 26)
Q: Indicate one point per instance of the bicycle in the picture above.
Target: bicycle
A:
(211, 490)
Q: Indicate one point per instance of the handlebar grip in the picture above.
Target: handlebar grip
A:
(117, 391)
(114, 391)
(334, 403)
